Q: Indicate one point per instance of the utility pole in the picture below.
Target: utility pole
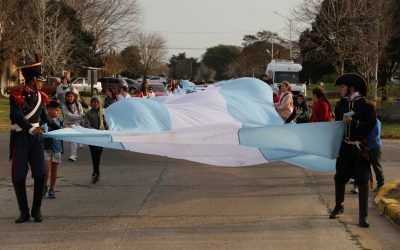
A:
(290, 35)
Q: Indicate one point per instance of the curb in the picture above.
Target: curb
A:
(388, 206)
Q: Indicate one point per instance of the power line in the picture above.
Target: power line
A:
(205, 32)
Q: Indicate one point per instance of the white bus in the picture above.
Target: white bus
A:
(286, 70)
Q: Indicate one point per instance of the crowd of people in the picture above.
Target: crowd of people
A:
(295, 109)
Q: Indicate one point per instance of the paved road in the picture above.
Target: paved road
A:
(149, 202)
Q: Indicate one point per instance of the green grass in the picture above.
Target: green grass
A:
(391, 130)
(4, 115)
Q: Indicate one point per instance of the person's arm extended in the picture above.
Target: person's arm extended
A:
(68, 115)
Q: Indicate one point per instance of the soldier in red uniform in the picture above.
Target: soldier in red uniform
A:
(27, 108)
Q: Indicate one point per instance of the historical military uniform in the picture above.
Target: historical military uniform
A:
(27, 108)
(353, 159)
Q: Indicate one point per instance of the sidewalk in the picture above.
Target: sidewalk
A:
(388, 201)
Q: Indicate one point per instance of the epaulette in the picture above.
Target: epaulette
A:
(45, 97)
(18, 96)
(370, 102)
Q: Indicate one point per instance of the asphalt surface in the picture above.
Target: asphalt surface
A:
(151, 202)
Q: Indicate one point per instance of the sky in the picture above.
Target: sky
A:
(191, 26)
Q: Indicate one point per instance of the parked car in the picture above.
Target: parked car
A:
(158, 89)
(82, 85)
(395, 78)
(156, 79)
(133, 86)
(111, 82)
(50, 86)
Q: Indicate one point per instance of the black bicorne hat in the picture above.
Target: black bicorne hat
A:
(353, 80)
(32, 70)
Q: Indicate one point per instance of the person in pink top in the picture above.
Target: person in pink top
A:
(284, 106)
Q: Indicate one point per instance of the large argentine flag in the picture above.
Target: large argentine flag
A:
(233, 123)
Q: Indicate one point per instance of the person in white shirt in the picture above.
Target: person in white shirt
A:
(63, 88)
(150, 92)
(168, 90)
(123, 94)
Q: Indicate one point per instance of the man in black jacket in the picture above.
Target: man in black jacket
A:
(359, 118)
(27, 108)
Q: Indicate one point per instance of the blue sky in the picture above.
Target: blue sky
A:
(191, 26)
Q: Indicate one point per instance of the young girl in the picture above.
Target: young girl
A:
(94, 119)
(73, 113)
(143, 90)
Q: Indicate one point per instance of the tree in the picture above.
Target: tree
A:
(132, 67)
(152, 50)
(315, 64)
(82, 42)
(10, 32)
(181, 67)
(113, 23)
(219, 57)
(352, 33)
(257, 53)
(46, 33)
(204, 73)
(113, 64)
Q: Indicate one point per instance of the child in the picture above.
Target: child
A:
(52, 150)
(300, 112)
(94, 119)
(73, 114)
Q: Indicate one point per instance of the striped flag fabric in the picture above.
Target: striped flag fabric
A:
(232, 124)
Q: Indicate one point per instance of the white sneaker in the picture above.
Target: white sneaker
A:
(72, 158)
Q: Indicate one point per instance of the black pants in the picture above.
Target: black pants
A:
(375, 159)
(96, 154)
(26, 151)
(350, 164)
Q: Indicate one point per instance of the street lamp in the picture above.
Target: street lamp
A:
(290, 36)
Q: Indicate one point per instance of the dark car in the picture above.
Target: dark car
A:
(133, 86)
(50, 86)
(111, 82)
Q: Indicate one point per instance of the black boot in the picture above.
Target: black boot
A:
(20, 192)
(37, 199)
(363, 205)
(339, 198)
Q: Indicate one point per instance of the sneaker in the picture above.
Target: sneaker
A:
(354, 190)
(44, 191)
(52, 194)
(72, 158)
(95, 177)
(377, 189)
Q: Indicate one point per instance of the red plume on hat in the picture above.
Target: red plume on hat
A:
(37, 58)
